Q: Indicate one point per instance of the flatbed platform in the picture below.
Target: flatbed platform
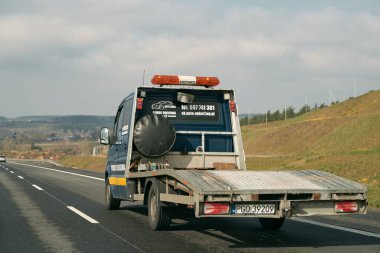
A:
(261, 182)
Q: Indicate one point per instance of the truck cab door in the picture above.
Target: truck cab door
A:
(116, 161)
(119, 148)
(123, 149)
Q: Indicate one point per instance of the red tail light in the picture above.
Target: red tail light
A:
(346, 207)
(139, 104)
(232, 106)
(216, 208)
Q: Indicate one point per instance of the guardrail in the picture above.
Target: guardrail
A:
(34, 161)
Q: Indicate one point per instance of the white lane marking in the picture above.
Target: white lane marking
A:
(12, 172)
(66, 172)
(6, 168)
(37, 187)
(352, 230)
(83, 215)
(20, 177)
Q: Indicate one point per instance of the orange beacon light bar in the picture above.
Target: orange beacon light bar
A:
(185, 80)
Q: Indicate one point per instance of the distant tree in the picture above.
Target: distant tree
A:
(244, 121)
(304, 109)
(276, 116)
(267, 116)
(290, 112)
(257, 119)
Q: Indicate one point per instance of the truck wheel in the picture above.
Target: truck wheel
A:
(159, 217)
(111, 202)
(272, 223)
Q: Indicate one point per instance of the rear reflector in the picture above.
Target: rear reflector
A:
(232, 106)
(216, 208)
(139, 104)
(346, 207)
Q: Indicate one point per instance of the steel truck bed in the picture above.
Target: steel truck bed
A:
(294, 193)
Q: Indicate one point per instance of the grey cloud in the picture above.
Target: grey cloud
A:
(75, 57)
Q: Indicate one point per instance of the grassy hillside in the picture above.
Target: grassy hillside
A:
(343, 139)
(94, 163)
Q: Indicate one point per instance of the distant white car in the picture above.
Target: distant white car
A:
(3, 158)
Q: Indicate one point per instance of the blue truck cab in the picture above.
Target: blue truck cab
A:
(184, 123)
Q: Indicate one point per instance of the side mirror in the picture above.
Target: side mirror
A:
(105, 136)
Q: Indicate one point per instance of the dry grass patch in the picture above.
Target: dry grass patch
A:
(93, 163)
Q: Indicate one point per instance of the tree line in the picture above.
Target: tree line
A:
(280, 114)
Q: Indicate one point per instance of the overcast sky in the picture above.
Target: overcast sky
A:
(83, 56)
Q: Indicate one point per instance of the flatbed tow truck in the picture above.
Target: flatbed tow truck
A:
(180, 145)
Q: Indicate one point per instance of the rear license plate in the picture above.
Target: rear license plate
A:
(254, 209)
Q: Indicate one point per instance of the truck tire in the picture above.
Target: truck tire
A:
(272, 223)
(111, 202)
(159, 216)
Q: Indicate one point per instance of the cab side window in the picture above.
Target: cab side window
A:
(122, 121)
(117, 131)
(127, 115)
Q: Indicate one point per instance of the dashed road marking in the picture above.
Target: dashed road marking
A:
(83, 215)
(37, 187)
(20, 177)
(12, 172)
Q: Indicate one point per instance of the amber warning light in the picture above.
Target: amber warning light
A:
(185, 80)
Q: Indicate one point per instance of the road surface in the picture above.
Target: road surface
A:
(55, 209)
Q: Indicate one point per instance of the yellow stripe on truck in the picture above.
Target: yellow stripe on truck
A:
(117, 181)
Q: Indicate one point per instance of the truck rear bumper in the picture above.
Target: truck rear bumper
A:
(323, 208)
(287, 208)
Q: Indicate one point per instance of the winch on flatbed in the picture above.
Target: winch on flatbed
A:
(180, 144)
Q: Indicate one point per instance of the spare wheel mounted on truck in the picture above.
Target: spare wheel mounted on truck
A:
(179, 144)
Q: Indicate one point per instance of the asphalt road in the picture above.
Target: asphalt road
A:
(44, 210)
